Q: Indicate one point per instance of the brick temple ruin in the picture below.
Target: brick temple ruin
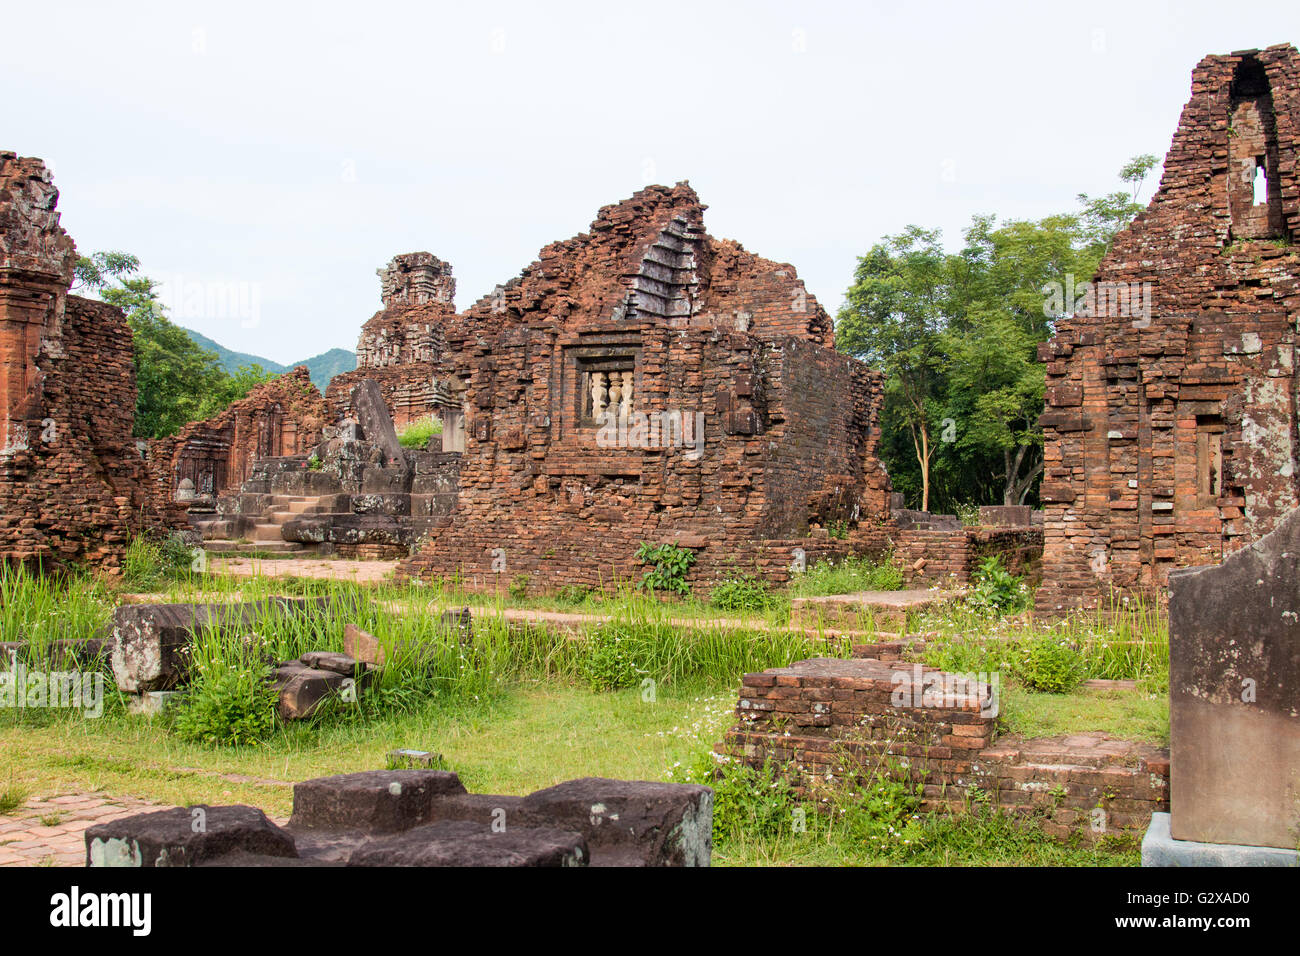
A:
(1170, 426)
(642, 381)
(73, 486)
(279, 418)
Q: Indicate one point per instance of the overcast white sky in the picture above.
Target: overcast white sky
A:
(286, 153)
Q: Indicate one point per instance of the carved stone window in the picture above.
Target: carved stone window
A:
(607, 387)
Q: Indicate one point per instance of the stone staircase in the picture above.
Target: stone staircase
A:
(267, 530)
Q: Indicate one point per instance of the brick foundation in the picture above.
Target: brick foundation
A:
(831, 721)
(943, 555)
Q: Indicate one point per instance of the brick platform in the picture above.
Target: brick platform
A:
(829, 721)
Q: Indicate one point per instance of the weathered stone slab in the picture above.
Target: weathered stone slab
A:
(152, 641)
(185, 836)
(332, 661)
(362, 645)
(377, 801)
(372, 412)
(370, 651)
(426, 818)
(152, 703)
(654, 824)
(463, 843)
(1006, 516)
(302, 689)
(1159, 848)
(851, 611)
(1234, 688)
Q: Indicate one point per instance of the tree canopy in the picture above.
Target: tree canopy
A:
(956, 335)
(177, 380)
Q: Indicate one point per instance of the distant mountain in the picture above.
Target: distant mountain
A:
(322, 367)
(325, 366)
(234, 361)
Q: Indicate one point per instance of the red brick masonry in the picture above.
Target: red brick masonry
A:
(1170, 427)
(831, 721)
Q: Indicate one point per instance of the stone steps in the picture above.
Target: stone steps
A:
(227, 548)
(267, 536)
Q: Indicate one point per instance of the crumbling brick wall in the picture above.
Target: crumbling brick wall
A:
(281, 417)
(837, 723)
(1170, 427)
(648, 313)
(933, 555)
(73, 486)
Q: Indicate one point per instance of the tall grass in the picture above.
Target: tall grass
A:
(418, 433)
(429, 662)
(38, 608)
(849, 575)
(1121, 640)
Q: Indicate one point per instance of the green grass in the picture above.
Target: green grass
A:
(977, 838)
(12, 797)
(523, 739)
(39, 609)
(847, 576)
(514, 712)
(418, 433)
(1127, 714)
(1125, 641)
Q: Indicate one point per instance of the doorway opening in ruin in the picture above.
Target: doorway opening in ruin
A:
(1254, 194)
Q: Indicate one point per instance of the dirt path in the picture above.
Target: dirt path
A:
(365, 572)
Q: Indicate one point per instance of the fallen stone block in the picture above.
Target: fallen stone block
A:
(643, 822)
(375, 801)
(426, 818)
(463, 843)
(369, 650)
(333, 661)
(302, 689)
(152, 641)
(185, 836)
(152, 702)
(405, 758)
(362, 645)
(462, 621)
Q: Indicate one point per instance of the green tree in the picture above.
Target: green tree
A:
(177, 381)
(1105, 216)
(957, 335)
(894, 319)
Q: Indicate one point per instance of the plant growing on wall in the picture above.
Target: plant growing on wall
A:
(996, 589)
(668, 566)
